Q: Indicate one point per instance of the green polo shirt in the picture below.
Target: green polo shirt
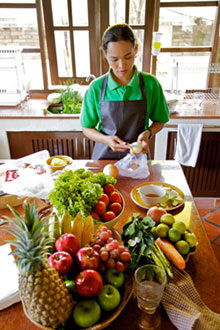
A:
(157, 109)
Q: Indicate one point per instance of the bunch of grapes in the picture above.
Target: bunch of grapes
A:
(112, 253)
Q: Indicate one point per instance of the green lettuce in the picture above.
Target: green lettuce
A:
(78, 190)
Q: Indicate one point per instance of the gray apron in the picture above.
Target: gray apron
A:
(126, 119)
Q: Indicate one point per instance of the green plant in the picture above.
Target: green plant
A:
(70, 101)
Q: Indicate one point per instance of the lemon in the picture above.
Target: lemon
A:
(183, 247)
(167, 218)
(180, 226)
(162, 230)
(190, 238)
(174, 235)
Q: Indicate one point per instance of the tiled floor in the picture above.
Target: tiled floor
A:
(209, 210)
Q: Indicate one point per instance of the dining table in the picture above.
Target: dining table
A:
(202, 266)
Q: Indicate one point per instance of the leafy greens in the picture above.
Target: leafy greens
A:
(78, 191)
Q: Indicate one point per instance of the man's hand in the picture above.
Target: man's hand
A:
(143, 138)
(116, 144)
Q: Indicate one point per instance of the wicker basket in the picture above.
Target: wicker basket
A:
(126, 295)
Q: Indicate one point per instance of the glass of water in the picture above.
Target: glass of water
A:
(198, 98)
(150, 281)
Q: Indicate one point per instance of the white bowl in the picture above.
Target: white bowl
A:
(151, 194)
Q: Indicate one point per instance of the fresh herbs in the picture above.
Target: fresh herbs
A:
(138, 237)
(70, 101)
(78, 191)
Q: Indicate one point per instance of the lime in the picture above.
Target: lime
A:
(174, 235)
(180, 226)
(191, 239)
(154, 232)
(167, 218)
(162, 230)
(183, 247)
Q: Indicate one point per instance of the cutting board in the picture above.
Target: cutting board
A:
(11, 200)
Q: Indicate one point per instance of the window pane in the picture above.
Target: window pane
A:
(63, 52)
(33, 70)
(187, 26)
(82, 57)
(137, 12)
(116, 11)
(60, 13)
(191, 70)
(140, 40)
(80, 13)
(18, 27)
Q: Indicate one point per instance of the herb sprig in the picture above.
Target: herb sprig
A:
(138, 238)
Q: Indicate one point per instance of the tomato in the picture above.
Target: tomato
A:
(104, 199)
(115, 207)
(108, 188)
(95, 215)
(100, 208)
(108, 216)
(115, 197)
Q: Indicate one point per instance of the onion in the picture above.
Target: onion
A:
(155, 212)
(111, 170)
(136, 147)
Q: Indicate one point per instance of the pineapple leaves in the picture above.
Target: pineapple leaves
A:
(31, 215)
(31, 239)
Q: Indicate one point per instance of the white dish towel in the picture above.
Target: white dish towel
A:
(188, 144)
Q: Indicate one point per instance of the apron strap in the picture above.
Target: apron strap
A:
(103, 87)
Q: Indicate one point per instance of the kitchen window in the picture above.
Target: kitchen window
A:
(61, 40)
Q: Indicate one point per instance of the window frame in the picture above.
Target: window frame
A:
(98, 21)
(212, 49)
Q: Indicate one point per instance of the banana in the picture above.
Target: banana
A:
(66, 223)
(54, 226)
(88, 231)
(78, 227)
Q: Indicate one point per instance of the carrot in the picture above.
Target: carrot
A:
(171, 253)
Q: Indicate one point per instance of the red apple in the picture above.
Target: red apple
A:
(89, 283)
(67, 242)
(62, 261)
(87, 258)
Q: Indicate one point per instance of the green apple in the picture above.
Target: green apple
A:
(109, 298)
(113, 277)
(86, 313)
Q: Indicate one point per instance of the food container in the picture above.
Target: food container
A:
(53, 168)
(111, 223)
(151, 194)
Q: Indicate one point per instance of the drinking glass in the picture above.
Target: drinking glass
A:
(198, 98)
(150, 281)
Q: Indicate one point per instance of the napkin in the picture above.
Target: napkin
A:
(184, 306)
(9, 293)
(188, 143)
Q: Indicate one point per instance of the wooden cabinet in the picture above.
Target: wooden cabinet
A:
(73, 144)
(204, 179)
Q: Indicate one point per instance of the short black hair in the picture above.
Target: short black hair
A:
(118, 32)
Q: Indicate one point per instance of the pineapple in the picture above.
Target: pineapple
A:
(45, 298)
